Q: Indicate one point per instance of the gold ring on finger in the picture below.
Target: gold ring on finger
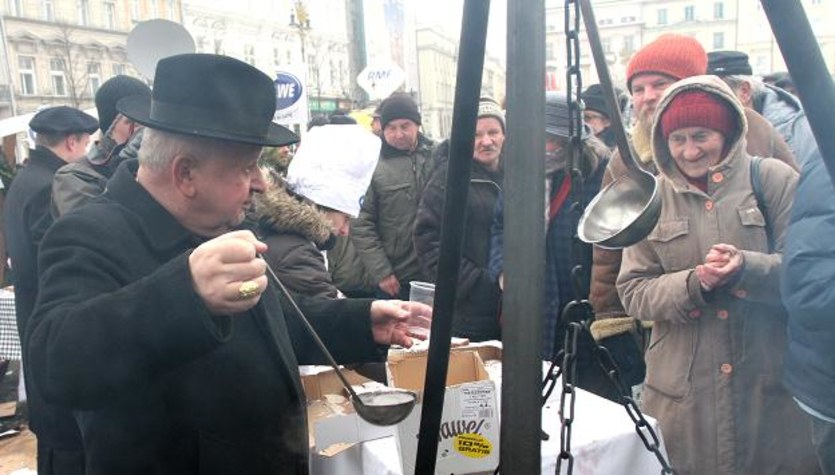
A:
(247, 290)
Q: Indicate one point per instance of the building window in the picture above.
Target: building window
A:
(94, 77)
(83, 12)
(816, 2)
(662, 16)
(718, 40)
(607, 44)
(249, 54)
(549, 51)
(16, 7)
(110, 15)
(57, 66)
(718, 10)
(171, 12)
(154, 9)
(135, 13)
(48, 10)
(628, 44)
(276, 57)
(119, 69)
(201, 44)
(26, 67)
(689, 13)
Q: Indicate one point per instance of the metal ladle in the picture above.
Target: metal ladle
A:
(627, 209)
(384, 407)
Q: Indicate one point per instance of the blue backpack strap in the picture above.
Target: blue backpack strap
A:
(762, 204)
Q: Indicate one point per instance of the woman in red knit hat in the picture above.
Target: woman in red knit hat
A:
(707, 276)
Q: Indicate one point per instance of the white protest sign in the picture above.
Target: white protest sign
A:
(290, 95)
(379, 81)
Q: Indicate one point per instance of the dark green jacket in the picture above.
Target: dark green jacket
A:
(382, 233)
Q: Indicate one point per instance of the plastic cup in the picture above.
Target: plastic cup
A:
(422, 292)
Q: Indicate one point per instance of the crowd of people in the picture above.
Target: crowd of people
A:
(153, 341)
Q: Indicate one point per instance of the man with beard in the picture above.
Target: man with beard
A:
(653, 69)
(477, 306)
(382, 234)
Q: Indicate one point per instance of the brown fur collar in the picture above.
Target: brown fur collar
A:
(283, 212)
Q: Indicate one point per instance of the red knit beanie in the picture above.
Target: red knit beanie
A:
(677, 56)
(698, 109)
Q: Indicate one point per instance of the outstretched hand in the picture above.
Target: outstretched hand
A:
(391, 319)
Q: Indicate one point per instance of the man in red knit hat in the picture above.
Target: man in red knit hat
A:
(654, 68)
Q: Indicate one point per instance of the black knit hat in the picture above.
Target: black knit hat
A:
(728, 63)
(211, 96)
(399, 106)
(595, 101)
(114, 89)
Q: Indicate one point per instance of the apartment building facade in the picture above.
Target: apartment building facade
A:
(58, 52)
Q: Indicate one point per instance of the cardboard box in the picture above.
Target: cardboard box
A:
(337, 435)
(469, 435)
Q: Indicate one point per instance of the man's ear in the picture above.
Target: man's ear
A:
(184, 170)
(71, 142)
(744, 93)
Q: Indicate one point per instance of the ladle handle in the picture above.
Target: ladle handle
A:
(312, 331)
(606, 83)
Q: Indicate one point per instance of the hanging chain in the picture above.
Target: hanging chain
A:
(567, 398)
(645, 431)
(579, 313)
(573, 77)
(574, 87)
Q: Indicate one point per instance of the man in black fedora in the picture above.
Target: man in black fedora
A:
(157, 323)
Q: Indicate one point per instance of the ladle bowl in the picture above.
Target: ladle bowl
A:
(385, 407)
(622, 213)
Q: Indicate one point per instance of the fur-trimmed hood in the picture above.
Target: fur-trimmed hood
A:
(281, 211)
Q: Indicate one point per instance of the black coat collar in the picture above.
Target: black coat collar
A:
(45, 157)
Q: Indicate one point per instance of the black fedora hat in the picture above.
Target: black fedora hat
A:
(212, 96)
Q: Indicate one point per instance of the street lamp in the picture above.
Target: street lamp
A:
(300, 21)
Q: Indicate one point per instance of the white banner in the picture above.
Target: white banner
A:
(291, 95)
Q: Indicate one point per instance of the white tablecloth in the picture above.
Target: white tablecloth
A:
(604, 441)
(9, 339)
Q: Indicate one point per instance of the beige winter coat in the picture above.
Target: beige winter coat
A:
(714, 361)
(762, 140)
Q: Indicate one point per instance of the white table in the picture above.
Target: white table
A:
(604, 441)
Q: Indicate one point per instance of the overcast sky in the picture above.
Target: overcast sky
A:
(447, 14)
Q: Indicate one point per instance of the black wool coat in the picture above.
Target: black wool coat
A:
(158, 384)
(27, 218)
(477, 302)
